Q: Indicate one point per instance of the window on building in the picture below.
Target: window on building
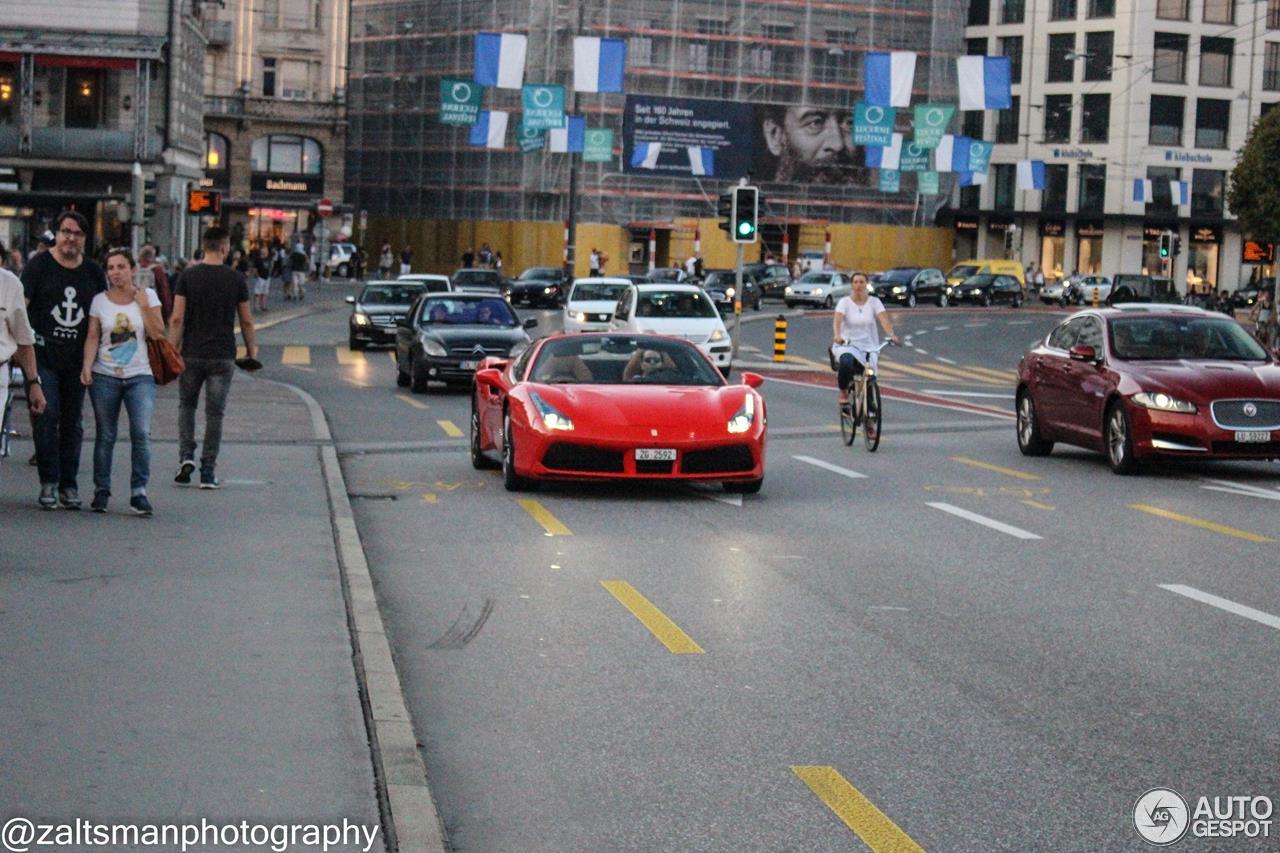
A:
(1093, 188)
(1055, 188)
(975, 47)
(268, 77)
(215, 153)
(83, 103)
(1012, 11)
(712, 54)
(1095, 118)
(1273, 14)
(1062, 10)
(1166, 120)
(1011, 46)
(1098, 48)
(1207, 187)
(640, 47)
(979, 13)
(1057, 118)
(1265, 108)
(1170, 58)
(1172, 10)
(971, 197)
(1005, 177)
(784, 58)
(1271, 67)
(8, 93)
(834, 63)
(1007, 123)
(295, 79)
(1061, 67)
(1215, 61)
(1102, 8)
(286, 154)
(1161, 196)
(1213, 118)
(1219, 11)
(974, 124)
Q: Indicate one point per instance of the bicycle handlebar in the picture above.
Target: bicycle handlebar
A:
(887, 342)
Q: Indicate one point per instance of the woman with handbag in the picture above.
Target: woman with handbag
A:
(118, 370)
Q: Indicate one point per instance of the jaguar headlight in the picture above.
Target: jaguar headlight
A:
(552, 417)
(745, 416)
(1162, 402)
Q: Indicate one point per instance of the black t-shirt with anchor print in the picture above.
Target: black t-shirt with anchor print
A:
(58, 305)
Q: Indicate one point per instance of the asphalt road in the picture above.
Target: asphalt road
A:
(942, 643)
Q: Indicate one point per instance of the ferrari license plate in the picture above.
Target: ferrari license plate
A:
(469, 365)
(1252, 436)
(655, 454)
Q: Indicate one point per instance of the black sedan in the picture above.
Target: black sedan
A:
(721, 286)
(987, 289)
(447, 335)
(375, 311)
(909, 285)
(536, 286)
(772, 279)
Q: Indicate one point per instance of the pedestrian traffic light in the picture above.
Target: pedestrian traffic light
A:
(1177, 246)
(725, 211)
(1166, 244)
(746, 210)
(149, 199)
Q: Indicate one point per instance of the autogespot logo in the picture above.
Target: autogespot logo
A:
(1160, 816)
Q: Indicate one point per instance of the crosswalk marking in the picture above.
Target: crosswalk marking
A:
(296, 355)
(347, 356)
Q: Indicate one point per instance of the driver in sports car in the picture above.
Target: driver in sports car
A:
(644, 362)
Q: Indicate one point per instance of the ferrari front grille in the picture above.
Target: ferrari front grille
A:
(563, 456)
(731, 459)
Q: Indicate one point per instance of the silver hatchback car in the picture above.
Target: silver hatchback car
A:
(823, 289)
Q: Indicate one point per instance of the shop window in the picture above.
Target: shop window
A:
(1271, 67)
(1011, 46)
(1057, 118)
(1012, 11)
(1061, 67)
(8, 94)
(1102, 8)
(1166, 120)
(1052, 247)
(1098, 48)
(1215, 61)
(979, 13)
(1206, 192)
(1093, 188)
(1202, 260)
(1062, 10)
(1219, 11)
(1055, 188)
(1007, 122)
(1212, 120)
(1089, 255)
(1095, 118)
(286, 154)
(83, 102)
(1172, 10)
(1006, 181)
(1170, 58)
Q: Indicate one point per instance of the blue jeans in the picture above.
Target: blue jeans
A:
(214, 374)
(138, 394)
(59, 431)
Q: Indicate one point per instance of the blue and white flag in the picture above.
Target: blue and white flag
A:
(568, 140)
(1180, 191)
(952, 154)
(887, 77)
(1030, 174)
(973, 179)
(1142, 190)
(885, 157)
(490, 129)
(500, 59)
(984, 82)
(598, 64)
(645, 155)
(702, 160)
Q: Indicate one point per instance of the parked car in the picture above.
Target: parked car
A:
(339, 261)
(1244, 297)
(1142, 288)
(962, 271)
(1062, 292)
(617, 406)
(638, 279)
(669, 274)
(1141, 381)
(446, 335)
(679, 311)
(817, 288)
(433, 283)
(377, 308)
(589, 306)
(772, 279)
(721, 286)
(1091, 283)
(987, 289)
(539, 286)
(479, 281)
(909, 285)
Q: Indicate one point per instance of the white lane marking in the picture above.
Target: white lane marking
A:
(921, 332)
(844, 472)
(942, 404)
(1243, 489)
(1224, 604)
(975, 325)
(943, 360)
(1018, 323)
(941, 328)
(966, 394)
(922, 351)
(983, 520)
(707, 492)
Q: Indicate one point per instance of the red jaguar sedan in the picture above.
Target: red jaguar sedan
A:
(614, 405)
(1143, 381)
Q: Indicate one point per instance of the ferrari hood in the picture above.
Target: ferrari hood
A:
(612, 406)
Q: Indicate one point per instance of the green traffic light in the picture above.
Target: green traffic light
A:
(745, 229)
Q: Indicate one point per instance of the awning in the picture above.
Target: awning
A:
(55, 47)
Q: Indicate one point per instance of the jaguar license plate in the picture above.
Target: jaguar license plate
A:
(655, 454)
(469, 365)
(1252, 436)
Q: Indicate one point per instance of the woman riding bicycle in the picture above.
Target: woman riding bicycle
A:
(854, 333)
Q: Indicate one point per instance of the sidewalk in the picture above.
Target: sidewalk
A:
(194, 665)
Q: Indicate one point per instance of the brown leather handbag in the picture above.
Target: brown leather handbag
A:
(166, 362)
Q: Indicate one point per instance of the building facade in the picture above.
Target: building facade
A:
(1106, 93)
(423, 184)
(275, 116)
(100, 112)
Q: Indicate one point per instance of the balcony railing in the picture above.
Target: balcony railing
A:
(77, 143)
(277, 109)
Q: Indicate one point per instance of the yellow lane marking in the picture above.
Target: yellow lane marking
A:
(1003, 375)
(431, 498)
(348, 356)
(927, 374)
(417, 404)
(1200, 522)
(889, 370)
(1021, 475)
(1037, 504)
(858, 813)
(667, 632)
(450, 429)
(296, 355)
(970, 375)
(808, 362)
(543, 516)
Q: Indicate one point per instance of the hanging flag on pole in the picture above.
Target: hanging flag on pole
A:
(598, 64)
(543, 106)
(872, 125)
(927, 183)
(1142, 190)
(530, 138)
(984, 82)
(568, 140)
(645, 155)
(952, 154)
(500, 59)
(702, 160)
(598, 145)
(890, 180)
(931, 122)
(1180, 192)
(888, 77)
(979, 155)
(1030, 174)
(914, 158)
(490, 129)
(460, 101)
(885, 157)
(972, 179)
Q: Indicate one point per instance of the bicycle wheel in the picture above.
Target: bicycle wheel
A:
(871, 427)
(848, 431)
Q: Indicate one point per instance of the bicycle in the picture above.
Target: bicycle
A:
(12, 377)
(863, 403)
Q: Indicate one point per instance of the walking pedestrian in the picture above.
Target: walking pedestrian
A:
(17, 343)
(262, 278)
(468, 258)
(1263, 315)
(594, 262)
(117, 371)
(385, 259)
(209, 300)
(497, 261)
(147, 260)
(298, 263)
(406, 260)
(59, 286)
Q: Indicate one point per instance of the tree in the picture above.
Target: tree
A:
(1254, 191)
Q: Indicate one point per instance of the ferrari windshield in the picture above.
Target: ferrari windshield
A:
(674, 303)
(451, 311)
(622, 359)
(596, 291)
(1167, 338)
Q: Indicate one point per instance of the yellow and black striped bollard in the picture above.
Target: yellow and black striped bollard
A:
(780, 338)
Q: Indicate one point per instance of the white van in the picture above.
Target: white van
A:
(678, 311)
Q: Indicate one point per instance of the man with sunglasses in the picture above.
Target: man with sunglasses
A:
(59, 285)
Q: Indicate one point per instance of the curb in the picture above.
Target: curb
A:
(409, 816)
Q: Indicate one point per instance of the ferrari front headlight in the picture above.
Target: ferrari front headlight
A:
(745, 416)
(552, 417)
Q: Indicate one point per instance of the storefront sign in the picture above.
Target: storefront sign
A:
(1072, 154)
(1253, 252)
(1184, 157)
(1052, 228)
(1153, 232)
(966, 224)
(998, 226)
(1205, 234)
(290, 184)
(1089, 229)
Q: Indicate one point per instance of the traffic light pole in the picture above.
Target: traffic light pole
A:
(737, 305)
(137, 233)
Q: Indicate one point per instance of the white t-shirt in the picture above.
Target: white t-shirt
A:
(859, 325)
(15, 327)
(122, 346)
